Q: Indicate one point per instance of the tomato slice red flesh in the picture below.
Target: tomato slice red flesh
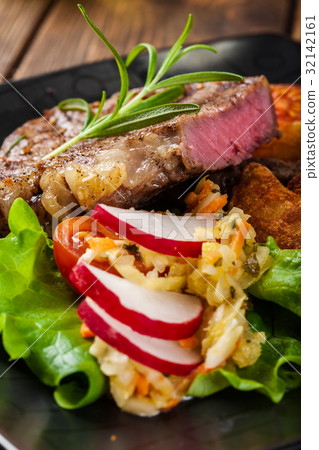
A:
(69, 245)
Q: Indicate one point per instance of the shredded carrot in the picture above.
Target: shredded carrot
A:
(86, 332)
(237, 243)
(191, 201)
(190, 342)
(213, 257)
(206, 189)
(244, 228)
(101, 244)
(238, 239)
(199, 369)
(142, 386)
(215, 204)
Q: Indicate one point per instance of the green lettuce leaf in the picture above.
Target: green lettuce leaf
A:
(281, 284)
(274, 372)
(273, 319)
(271, 374)
(39, 323)
(38, 319)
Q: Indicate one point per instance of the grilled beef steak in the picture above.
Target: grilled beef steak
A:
(127, 170)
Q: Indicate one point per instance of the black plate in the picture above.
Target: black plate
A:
(229, 420)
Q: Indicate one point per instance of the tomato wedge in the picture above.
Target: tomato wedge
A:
(69, 244)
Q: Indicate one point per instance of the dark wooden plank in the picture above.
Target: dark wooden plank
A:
(19, 20)
(296, 29)
(65, 40)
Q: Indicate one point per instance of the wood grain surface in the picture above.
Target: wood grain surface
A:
(296, 29)
(63, 39)
(20, 19)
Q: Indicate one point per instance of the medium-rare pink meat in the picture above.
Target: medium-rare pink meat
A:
(127, 170)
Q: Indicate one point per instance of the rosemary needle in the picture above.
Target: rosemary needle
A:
(148, 106)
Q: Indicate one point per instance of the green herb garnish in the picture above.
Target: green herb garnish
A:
(233, 224)
(219, 262)
(251, 265)
(133, 111)
(132, 248)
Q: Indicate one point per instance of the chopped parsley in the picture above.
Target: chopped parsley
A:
(132, 248)
(251, 265)
(219, 262)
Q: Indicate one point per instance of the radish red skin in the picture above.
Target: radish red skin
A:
(91, 286)
(117, 340)
(188, 248)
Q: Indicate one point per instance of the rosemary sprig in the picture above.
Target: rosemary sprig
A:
(146, 107)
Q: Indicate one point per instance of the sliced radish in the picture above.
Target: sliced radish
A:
(162, 314)
(162, 233)
(166, 356)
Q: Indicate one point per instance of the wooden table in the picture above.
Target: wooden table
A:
(38, 36)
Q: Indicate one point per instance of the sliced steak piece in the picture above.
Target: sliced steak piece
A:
(127, 170)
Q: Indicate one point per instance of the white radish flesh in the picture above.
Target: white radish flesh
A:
(162, 314)
(162, 355)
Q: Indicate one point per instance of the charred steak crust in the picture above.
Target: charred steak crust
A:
(128, 170)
